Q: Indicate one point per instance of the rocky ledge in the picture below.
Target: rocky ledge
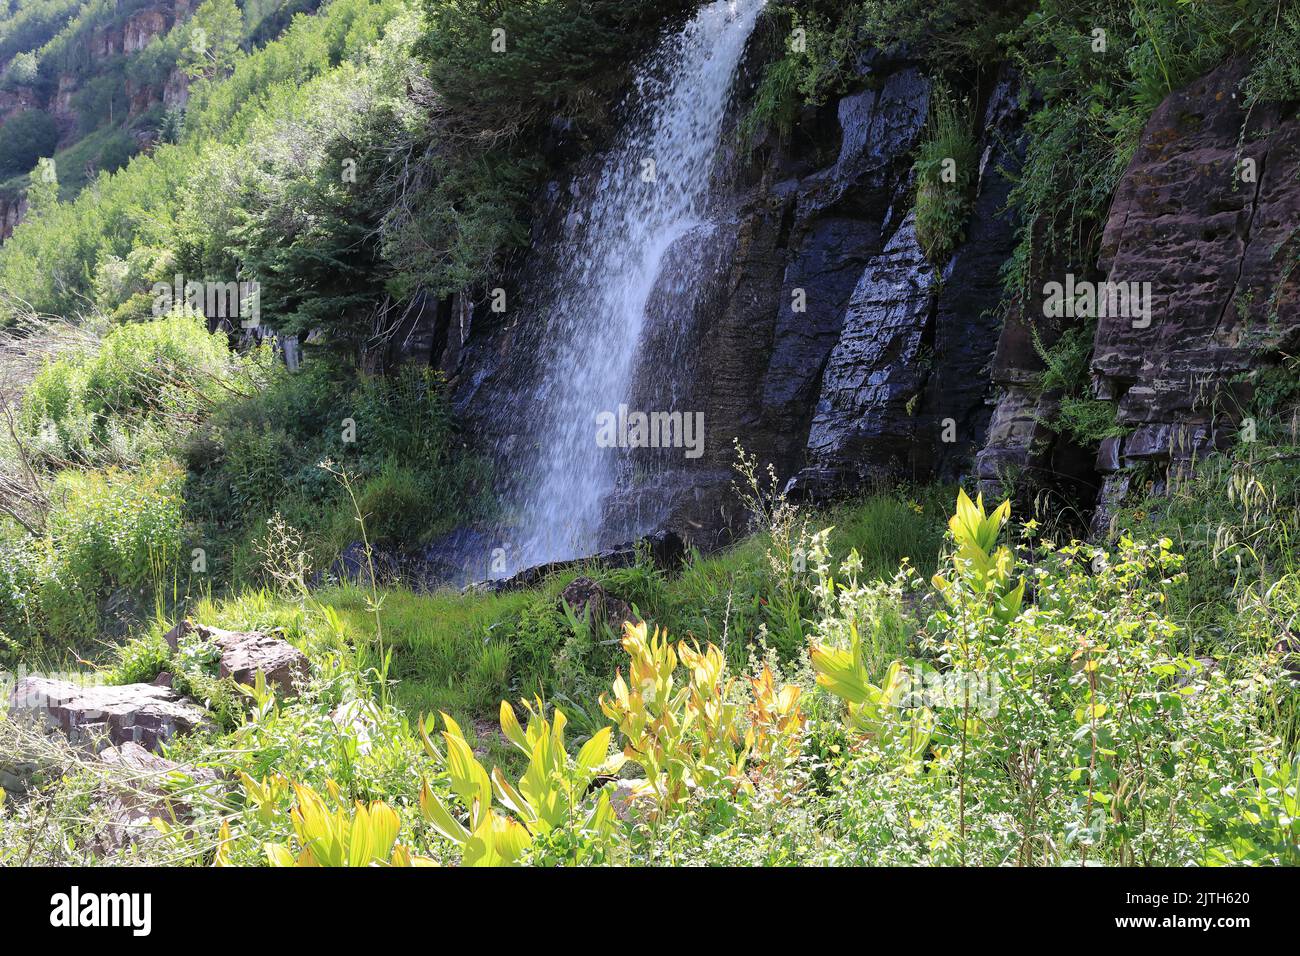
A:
(98, 715)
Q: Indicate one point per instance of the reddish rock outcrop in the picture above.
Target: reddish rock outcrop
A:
(1206, 213)
(245, 653)
(13, 206)
(141, 786)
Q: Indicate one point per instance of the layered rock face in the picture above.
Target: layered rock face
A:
(93, 715)
(827, 343)
(1200, 292)
(1207, 213)
(903, 390)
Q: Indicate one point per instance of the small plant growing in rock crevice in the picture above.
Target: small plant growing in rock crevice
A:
(945, 171)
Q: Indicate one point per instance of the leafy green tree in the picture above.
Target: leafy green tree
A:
(214, 34)
(23, 69)
(43, 192)
(26, 138)
(503, 67)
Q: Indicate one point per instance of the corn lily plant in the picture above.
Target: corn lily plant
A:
(552, 793)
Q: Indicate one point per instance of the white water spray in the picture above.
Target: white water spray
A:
(652, 194)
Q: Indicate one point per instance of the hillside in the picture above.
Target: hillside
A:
(868, 430)
(89, 85)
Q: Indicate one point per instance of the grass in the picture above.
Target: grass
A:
(886, 528)
(445, 645)
(464, 653)
(1237, 521)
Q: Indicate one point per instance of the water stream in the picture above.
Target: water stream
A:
(624, 265)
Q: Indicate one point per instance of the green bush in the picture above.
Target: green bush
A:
(24, 139)
(150, 373)
(106, 530)
(395, 504)
(1276, 75)
(139, 661)
(109, 530)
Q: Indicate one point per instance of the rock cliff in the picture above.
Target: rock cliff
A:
(831, 346)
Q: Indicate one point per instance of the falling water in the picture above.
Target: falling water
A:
(649, 205)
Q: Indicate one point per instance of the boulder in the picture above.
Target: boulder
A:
(589, 600)
(90, 715)
(244, 653)
(141, 786)
(666, 549)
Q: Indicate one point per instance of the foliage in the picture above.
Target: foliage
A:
(214, 30)
(1276, 75)
(1067, 722)
(259, 453)
(86, 407)
(106, 530)
(552, 56)
(24, 139)
(546, 800)
(337, 836)
(945, 170)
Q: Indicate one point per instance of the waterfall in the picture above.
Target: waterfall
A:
(649, 210)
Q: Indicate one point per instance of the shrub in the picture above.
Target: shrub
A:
(395, 504)
(151, 374)
(24, 139)
(106, 530)
(140, 661)
(109, 529)
(1276, 75)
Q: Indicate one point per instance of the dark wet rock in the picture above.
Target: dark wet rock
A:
(94, 715)
(952, 417)
(665, 549)
(904, 391)
(863, 423)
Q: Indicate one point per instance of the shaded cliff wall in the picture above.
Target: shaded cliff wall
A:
(896, 368)
(1207, 214)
